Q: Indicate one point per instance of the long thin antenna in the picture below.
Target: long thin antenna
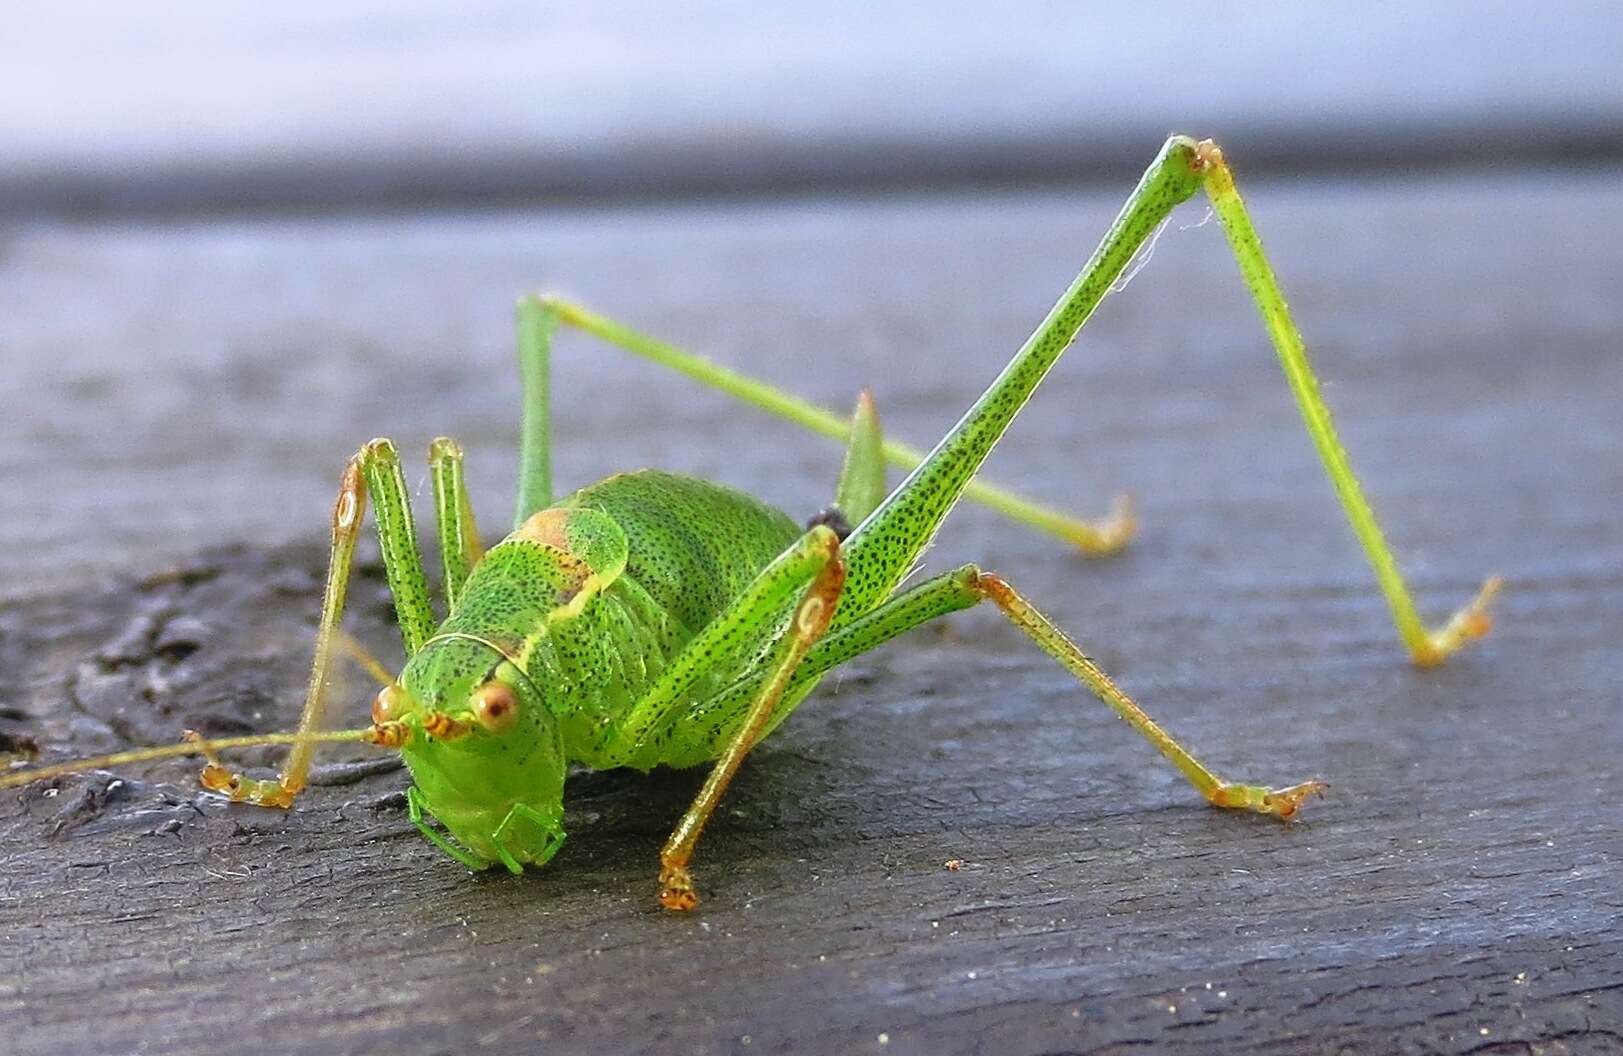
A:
(29, 775)
(361, 655)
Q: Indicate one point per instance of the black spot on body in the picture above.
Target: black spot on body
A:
(831, 517)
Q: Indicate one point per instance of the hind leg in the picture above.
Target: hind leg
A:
(539, 316)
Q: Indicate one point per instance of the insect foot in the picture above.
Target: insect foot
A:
(217, 777)
(1282, 803)
(239, 789)
(1468, 624)
(676, 888)
(1111, 533)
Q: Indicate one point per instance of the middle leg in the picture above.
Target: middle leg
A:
(811, 618)
(539, 316)
(964, 588)
(1280, 802)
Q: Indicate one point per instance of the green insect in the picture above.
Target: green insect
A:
(653, 619)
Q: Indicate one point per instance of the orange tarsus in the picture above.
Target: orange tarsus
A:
(1282, 803)
(676, 889)
(1294, 798)
(1112, 532)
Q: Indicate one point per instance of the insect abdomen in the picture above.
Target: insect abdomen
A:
(692, 545)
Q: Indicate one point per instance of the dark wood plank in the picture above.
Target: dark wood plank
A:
(194, 386)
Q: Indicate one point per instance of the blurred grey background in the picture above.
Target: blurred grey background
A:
(237, 104)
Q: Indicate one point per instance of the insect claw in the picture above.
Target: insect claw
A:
(676, 891)
(1282, 803)
(1112, 532)
(217, 778)
(1285, 802)
(1471, 622)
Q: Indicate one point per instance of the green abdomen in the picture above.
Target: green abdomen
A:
(692, 545)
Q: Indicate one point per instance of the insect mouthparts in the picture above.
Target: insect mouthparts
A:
(394, 734)
(445, 726)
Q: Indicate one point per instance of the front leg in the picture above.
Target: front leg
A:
(375, 469)
(460, 548)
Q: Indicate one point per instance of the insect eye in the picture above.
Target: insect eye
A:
(390, 703)
(495, 706)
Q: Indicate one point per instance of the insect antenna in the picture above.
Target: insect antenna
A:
(191, 746)
(361, 655)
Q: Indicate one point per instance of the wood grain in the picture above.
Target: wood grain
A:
(187, 393)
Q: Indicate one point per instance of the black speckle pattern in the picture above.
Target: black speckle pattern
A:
(691, 549)
(882, 550)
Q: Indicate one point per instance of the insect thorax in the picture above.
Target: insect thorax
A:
(592, 640)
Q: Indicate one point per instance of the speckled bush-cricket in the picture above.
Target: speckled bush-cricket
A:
(654, 619)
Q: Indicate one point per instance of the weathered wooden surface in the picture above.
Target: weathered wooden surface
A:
(175, 388)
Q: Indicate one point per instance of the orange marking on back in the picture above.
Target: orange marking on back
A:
(547, 528)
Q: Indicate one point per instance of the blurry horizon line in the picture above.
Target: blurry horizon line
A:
(724, 168)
